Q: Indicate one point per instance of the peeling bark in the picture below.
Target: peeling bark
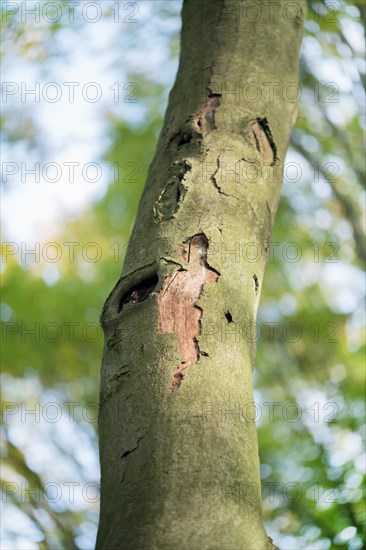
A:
(264, 141)
(178, 310)
(181, 307)
(205, 118)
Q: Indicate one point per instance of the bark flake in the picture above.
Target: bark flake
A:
(200, 123)
(205, 117)
(264, 141)
(173, 193)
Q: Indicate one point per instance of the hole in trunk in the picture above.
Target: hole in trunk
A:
(140, 292)
(229, 317)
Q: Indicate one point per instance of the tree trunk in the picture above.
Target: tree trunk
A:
(178, 443)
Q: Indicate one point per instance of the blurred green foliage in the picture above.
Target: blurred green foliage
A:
(309, 381)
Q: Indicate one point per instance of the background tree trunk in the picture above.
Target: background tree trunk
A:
(178, 444)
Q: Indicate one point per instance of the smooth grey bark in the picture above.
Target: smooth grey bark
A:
(178, 444)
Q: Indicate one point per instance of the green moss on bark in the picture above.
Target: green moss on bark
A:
(180, 470)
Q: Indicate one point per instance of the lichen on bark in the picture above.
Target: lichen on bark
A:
(180, 469)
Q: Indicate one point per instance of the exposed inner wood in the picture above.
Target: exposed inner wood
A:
(178, 312)
(205, 118)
